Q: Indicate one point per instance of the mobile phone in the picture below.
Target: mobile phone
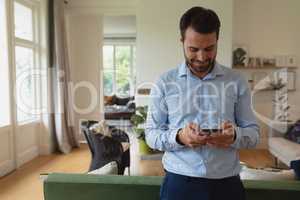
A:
(209, 131)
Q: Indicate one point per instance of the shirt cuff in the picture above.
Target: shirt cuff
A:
(173, 141)
(238, 135)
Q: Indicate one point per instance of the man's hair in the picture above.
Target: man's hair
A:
(202, 20)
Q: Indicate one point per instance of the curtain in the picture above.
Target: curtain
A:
(62, 115)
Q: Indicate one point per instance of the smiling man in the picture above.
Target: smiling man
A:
(200, 115)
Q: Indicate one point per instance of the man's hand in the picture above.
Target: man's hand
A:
(191, 136)
(223, 139)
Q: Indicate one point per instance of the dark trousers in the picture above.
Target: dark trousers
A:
(178, 187)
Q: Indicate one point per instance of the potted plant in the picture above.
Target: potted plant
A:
(138, 121)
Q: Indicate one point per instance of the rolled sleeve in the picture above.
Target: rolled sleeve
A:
(158, 133)
(247, 130)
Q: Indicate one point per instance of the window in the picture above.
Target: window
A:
(118, 63)
(23, 21)
(26, 59)
(24, 82)
(4, 74)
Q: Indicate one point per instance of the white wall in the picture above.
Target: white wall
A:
(85, 52)
(85, 35)
(269, 28)
(123, 26)
(158, 39)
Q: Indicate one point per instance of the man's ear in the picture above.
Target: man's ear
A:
(181, 39)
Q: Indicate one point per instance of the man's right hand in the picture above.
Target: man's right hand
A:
(191, 137)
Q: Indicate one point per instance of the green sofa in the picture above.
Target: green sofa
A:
(99, 187)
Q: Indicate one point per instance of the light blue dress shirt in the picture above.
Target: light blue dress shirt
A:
(178, 98)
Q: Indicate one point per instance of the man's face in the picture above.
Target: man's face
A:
(200, 50)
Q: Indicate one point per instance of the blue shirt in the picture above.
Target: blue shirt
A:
(178, 98)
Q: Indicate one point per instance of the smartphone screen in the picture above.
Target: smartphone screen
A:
(210, 131)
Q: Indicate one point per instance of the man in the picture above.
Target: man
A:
(200, 115)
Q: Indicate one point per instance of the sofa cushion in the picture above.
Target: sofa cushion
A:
(284, 149)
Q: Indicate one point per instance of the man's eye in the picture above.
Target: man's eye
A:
(209, 49)
(193, 49)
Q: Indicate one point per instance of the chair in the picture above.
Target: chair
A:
(122, 136)
(106, 149)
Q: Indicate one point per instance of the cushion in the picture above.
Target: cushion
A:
(109, 168)
(284, 149)
(109, 100)
(100, 128)
(266, 174)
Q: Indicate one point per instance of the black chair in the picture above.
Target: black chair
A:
(106, 149)
(122, 136)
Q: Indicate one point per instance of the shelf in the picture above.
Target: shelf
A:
(263, 67)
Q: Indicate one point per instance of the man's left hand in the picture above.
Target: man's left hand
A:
(224, 138)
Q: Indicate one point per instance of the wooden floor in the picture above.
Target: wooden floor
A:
(25, 184)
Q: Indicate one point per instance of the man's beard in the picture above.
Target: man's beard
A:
(197, 66)
(200, 67)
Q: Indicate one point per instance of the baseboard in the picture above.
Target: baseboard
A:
(27, 155)
(6, 167)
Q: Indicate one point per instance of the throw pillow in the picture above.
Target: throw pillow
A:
(108, 100)
(109, 168)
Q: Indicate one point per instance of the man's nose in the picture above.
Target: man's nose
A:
(201, 55)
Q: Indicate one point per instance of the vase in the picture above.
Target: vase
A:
(144, 148)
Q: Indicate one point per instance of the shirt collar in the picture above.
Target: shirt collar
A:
(216, 71)
(182, 71)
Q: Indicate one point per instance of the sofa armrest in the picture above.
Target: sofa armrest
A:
(278, 129)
